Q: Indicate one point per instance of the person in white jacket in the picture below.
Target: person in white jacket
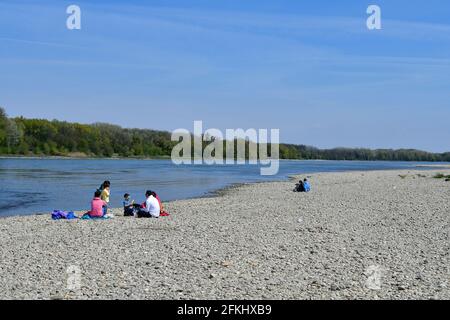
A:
(152, 208)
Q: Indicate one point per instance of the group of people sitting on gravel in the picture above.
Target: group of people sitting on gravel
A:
(302, 186)
(151, 208)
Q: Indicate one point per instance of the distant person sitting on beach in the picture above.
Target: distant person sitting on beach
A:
(306, 185)
(128, 206)
(151, 209)
(105, 195)
(302, 186)
(97, 205)
(299, 187)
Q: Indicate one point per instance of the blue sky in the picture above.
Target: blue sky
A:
(310, 68)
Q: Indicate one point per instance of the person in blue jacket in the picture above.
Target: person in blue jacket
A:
(306, 185)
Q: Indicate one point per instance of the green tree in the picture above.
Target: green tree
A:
(3, 125)
(13, 135)
(38, 136)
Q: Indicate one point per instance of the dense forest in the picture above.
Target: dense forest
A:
(36, 137)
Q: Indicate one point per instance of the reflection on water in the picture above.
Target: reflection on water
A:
(41, 185)
(12, 200)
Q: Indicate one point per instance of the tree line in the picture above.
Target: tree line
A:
(39, 137)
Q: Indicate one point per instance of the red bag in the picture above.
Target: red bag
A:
(164, 214)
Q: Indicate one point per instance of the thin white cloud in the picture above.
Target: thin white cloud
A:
(268, 24)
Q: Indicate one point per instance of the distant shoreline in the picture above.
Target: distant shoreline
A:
(79, 158)
(431, 164)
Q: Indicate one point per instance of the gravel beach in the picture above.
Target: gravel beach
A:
(357, 235)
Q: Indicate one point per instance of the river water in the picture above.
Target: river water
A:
(29, 186)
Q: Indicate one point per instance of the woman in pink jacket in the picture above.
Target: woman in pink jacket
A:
(97, 205)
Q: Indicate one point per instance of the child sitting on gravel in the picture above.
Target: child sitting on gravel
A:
(128, 206)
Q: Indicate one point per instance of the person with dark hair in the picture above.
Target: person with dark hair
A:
(128, 205)
(299, 187)
(152, 208)
(105, 184)
(163, 213)
(96, 206)
(159, 200)
(105, 195)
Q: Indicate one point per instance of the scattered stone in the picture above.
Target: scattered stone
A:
(334, 287)
(353, 221)
(227, 263)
